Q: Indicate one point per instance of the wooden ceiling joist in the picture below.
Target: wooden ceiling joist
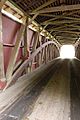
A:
(66, 31)
(56, 17)
(61, 17)
(61, 37)
(59, 8)
(44, 5)
(62, 22)
(67, 27)
(2, 3)
(66, 36)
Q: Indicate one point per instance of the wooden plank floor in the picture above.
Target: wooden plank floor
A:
(75, 90)
(24, 93)
(54, 101)
(53, 94)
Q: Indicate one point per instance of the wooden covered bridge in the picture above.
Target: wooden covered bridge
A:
(35, 83)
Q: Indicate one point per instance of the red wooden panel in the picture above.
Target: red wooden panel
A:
(10, 29)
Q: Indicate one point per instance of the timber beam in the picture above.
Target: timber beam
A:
(2, 3)
(65, 31)
(58, 22)
(44, 5)
(25, 38)
(66, 13)
(2, 72)
(61, 17)
(61, 37)
(67, 27)
(14, 54)
(59, 8)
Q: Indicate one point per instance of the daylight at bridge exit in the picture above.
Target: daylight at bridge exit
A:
(39, 59)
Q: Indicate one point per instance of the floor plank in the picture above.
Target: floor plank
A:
(54, 101)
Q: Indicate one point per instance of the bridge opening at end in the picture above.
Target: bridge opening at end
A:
(67, 51)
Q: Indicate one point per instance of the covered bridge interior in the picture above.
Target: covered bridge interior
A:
(35, 82)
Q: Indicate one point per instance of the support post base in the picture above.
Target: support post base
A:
(2, 84)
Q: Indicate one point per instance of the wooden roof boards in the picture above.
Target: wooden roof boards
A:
(56, 16)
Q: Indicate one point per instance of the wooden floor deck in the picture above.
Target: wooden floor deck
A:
(54, 101)
(53, 94)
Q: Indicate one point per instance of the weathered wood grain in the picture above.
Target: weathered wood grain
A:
(54, 101)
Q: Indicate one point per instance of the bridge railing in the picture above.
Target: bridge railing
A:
(43, 54)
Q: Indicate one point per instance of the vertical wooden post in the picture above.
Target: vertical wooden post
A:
(2, 73)
(48, 52)
(40, 58)
(36, 37)
(14, 54)
(31, 41)
(51, 51)
(45, 54)
(25, 38)
(40, 54)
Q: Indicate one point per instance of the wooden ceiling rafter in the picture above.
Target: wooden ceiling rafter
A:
(72, 27)
(61, 16)
(55, 16)
(59, 8)
(63, 37)
(44, 5)
(62, 22)
(66, 31)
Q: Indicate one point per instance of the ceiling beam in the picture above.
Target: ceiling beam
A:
(61, 16)
(15, 8)
(63, 37)
(68, 27)
(66, 31)
(66, 41)
(48, 15)
(44, 5)
(59, 8)
(2, 3)
(67, 36)
(63, 28)
(65, 13)
(62, 22)
(32, 19)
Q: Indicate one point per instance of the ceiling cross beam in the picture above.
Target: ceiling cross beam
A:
(44, 5)
(72, 27)
(67, 22)
(66, 31)
(59, 8)
(2, 3)
(60, 16)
